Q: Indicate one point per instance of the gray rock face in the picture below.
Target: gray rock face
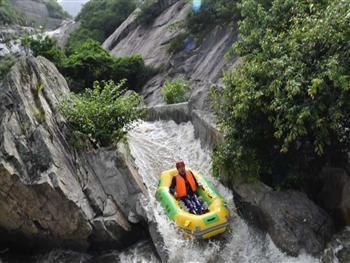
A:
(131, 38)
(333, 194)
(51, 195)
(293, 221)
(118, 176)
(202, 63)
(10, 42)
(206, 129)
(163, 4)
(37, 11)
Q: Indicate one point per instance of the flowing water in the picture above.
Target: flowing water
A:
(156, 146)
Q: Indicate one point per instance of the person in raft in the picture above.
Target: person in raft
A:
(184, 186)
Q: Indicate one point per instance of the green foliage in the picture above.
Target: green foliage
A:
(55, 9)
(149, 11)
(90, 62)
(99, 19)
(6, 62)
(46, 47)
(9, 15)
(177, 43)
(81, 35)
(287, 107)
(210, 14)
(176, 91)
(102, 113)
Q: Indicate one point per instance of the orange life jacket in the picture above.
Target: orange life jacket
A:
(181, 184)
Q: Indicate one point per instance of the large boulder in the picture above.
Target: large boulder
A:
(332, 192)
(294, 222)
(52, 195)
(37, 11)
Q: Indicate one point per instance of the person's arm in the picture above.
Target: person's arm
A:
(172, 186)
(198, 185)
(195, 180)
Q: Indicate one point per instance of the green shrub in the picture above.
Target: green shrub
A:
(6, 63)
(210, 14)
(102, 113)
(177, 43)
(176, 91)
(90, 62)
(46, 47)
(287, 107)
(149, 12)
(81, 35)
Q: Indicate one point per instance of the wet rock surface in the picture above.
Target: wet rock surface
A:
(332, 192)
(50, 194)
(293, 221)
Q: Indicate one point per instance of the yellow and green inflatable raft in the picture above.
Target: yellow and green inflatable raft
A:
(202, 226)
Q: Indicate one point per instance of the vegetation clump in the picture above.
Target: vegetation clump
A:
(89, 62)
(211, 13)
(149, 11)
(46, 47)
(99, 19)
(6, 62)
(176, 91)
(286, 109)
(104, 114)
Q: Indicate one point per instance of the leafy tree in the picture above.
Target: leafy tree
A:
(81, 35)
(287, 107)
(176, 91)
(210, 14)
(103, 113)
(99, 19)
(46, 47)
(150, 9)
(90, 62)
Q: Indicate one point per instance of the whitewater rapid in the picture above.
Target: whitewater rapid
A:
(156, 146)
